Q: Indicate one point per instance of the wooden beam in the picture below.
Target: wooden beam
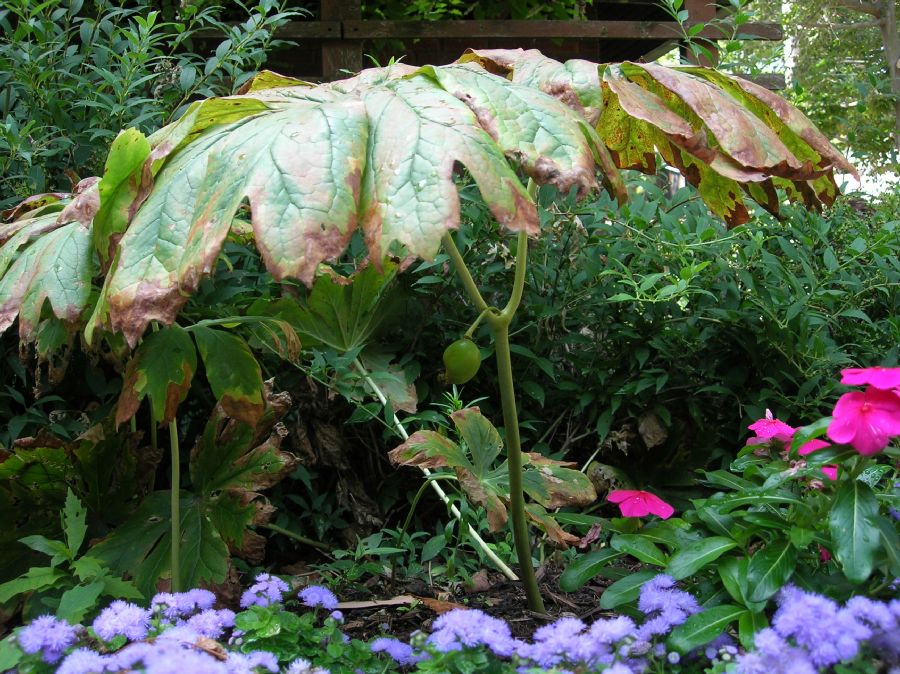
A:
(344, 54)
(629, 30)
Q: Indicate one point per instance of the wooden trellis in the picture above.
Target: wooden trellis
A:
(340, 34)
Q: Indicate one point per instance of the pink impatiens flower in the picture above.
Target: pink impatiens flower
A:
(884, 378)
(770, 428)
(830, 471)
(866, 420)
(635, 503)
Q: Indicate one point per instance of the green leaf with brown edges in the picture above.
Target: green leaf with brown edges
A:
(428, 449)
(723, 133)
(57, 268)
(161, 368)
(554, 484)
(232, 372)
(544, 521)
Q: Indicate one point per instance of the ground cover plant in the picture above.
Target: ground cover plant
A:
(282, 630)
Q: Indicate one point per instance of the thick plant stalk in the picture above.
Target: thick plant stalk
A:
(175, 504)
(479, 541)
(499, 322)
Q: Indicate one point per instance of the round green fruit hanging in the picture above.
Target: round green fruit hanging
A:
(461, 361)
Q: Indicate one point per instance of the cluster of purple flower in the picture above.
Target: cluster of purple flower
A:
(616, 644)
(810, 632)
(179, 633)
(266, 590)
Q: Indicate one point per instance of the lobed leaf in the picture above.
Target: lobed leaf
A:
(162, 369)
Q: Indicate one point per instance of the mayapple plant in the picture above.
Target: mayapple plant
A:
(379, 152)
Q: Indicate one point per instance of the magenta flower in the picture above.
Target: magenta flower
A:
(812, 446)
(770, 428)
(884, 378)
(830, 471)
(635, 503)
(866, 420)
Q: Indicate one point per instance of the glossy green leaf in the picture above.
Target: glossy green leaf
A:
(162, 369)
(694, 556)
(640, 548)
(890, 544)
(625, 590)
(233, 373)
(585, 567)
(733, 573)
(703, 627)
(749, 624)
(853, 531)
(770, 568)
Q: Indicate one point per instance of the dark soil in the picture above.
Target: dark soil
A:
(418, 604)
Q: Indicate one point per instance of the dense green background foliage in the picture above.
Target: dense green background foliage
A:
(72, 74)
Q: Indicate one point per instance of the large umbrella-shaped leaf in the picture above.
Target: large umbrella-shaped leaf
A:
(378, 153)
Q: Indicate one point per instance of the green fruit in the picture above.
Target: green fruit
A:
(461, 361)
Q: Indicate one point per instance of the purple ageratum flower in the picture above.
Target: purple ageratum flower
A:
(316, 595)
(174, 605)
(83, 661)
(122, 618)
(266, 590)
(179, 635)
(403, 654)
(884, 621)
(562, 641)
(815, 623)
(301, 666)
(164, 656)
(177, 660)
(619, 668)
(469, 628)
(48, 636)
(774, 656)
(211, 623)
(665, 606)
(249, 663)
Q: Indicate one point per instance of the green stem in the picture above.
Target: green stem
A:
(499, 324)
(175, 506)
(297, 537)
(409, 516)
(460, 265)
(474, 326)
(401, 431)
